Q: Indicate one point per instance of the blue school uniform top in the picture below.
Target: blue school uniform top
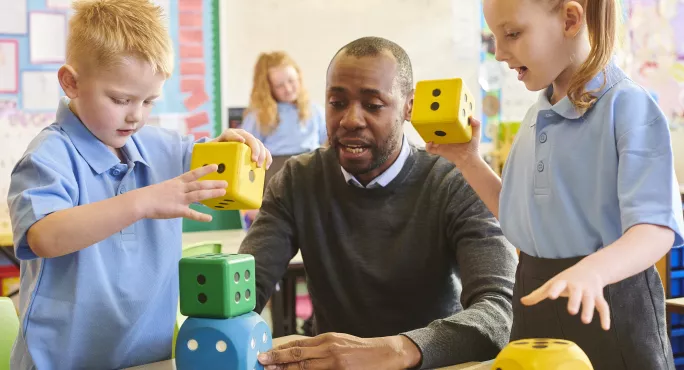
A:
(575, 182)
(111, 305)
(291, 137)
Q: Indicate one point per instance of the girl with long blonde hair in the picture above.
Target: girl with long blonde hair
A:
(280, 113)
(589, 194)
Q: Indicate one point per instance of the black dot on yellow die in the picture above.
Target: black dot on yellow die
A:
(440, 133)
(434, 106)
(221, 168)
(436, 92)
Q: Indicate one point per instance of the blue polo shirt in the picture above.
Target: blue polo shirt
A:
(113, 304)
(291, 137)
(576, 182)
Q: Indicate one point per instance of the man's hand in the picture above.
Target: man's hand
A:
(260, 154)
(342, 351)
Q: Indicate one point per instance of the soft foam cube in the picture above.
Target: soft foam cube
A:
(245, 179)
(222, 344)
(542, 354)
(217, 285)
(441, 109)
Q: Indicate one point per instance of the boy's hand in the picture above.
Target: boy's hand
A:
(582, 286)
(459, 154)
(260, 154)
(172, 198)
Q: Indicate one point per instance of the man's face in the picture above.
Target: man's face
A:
(365, 113)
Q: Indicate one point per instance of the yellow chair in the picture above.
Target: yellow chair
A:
(189, 251)
(9, 322)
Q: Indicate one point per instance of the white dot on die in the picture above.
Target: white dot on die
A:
(192, 345)
(221, 346)
(264, 338)
(253, 343)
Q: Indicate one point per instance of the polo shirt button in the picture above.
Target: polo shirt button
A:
(122, 189)
(116, 172)
(542, 137)
(540, 166)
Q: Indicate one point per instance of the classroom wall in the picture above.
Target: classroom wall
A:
(442, 38)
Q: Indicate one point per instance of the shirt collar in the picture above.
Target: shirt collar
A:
(612, 74)
(387, 176)
(94, 151)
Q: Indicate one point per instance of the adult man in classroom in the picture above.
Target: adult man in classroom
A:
(406, 266)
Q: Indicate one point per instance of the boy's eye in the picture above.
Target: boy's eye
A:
(119, 101)
(148, 102)
(513, 35)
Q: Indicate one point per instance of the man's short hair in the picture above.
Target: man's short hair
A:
(373, 46)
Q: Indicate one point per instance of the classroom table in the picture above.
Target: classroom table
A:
(171, 364)
(6, 245)
(284, 298)
(675, 305)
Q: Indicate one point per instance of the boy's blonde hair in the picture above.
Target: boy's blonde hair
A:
(263, 104)
(101, 32)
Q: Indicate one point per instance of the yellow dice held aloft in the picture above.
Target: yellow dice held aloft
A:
(245, 179)
(441, 109)
(542, 354)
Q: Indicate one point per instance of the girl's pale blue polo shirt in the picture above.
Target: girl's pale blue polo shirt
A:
(113, 304)
(575, 182)
(291, 137)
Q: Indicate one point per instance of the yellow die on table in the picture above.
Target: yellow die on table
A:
(441, 109)
(542, 354)
(245, 179)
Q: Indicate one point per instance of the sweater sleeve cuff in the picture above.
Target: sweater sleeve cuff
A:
(422, 338)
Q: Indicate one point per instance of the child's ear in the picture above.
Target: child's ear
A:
(68, 80)
(573, 16)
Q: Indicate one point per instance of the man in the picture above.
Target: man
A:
(398, 248)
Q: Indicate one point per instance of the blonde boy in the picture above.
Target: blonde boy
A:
(97, 201)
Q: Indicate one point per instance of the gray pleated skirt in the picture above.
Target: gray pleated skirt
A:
(637, 339)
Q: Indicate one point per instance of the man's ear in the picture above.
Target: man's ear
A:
(68, 80)
(408, 106)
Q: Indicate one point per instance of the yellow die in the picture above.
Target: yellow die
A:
(542, 354)
(441, 109)
(245, 180)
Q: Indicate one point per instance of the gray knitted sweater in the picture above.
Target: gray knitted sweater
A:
(421, 257)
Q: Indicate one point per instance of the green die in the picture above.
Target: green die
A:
(216, 285)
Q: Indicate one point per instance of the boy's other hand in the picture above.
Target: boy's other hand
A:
(260, 154)
(172, 198)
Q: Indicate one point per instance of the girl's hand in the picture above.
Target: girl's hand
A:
(583, 286)
(460, 154)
